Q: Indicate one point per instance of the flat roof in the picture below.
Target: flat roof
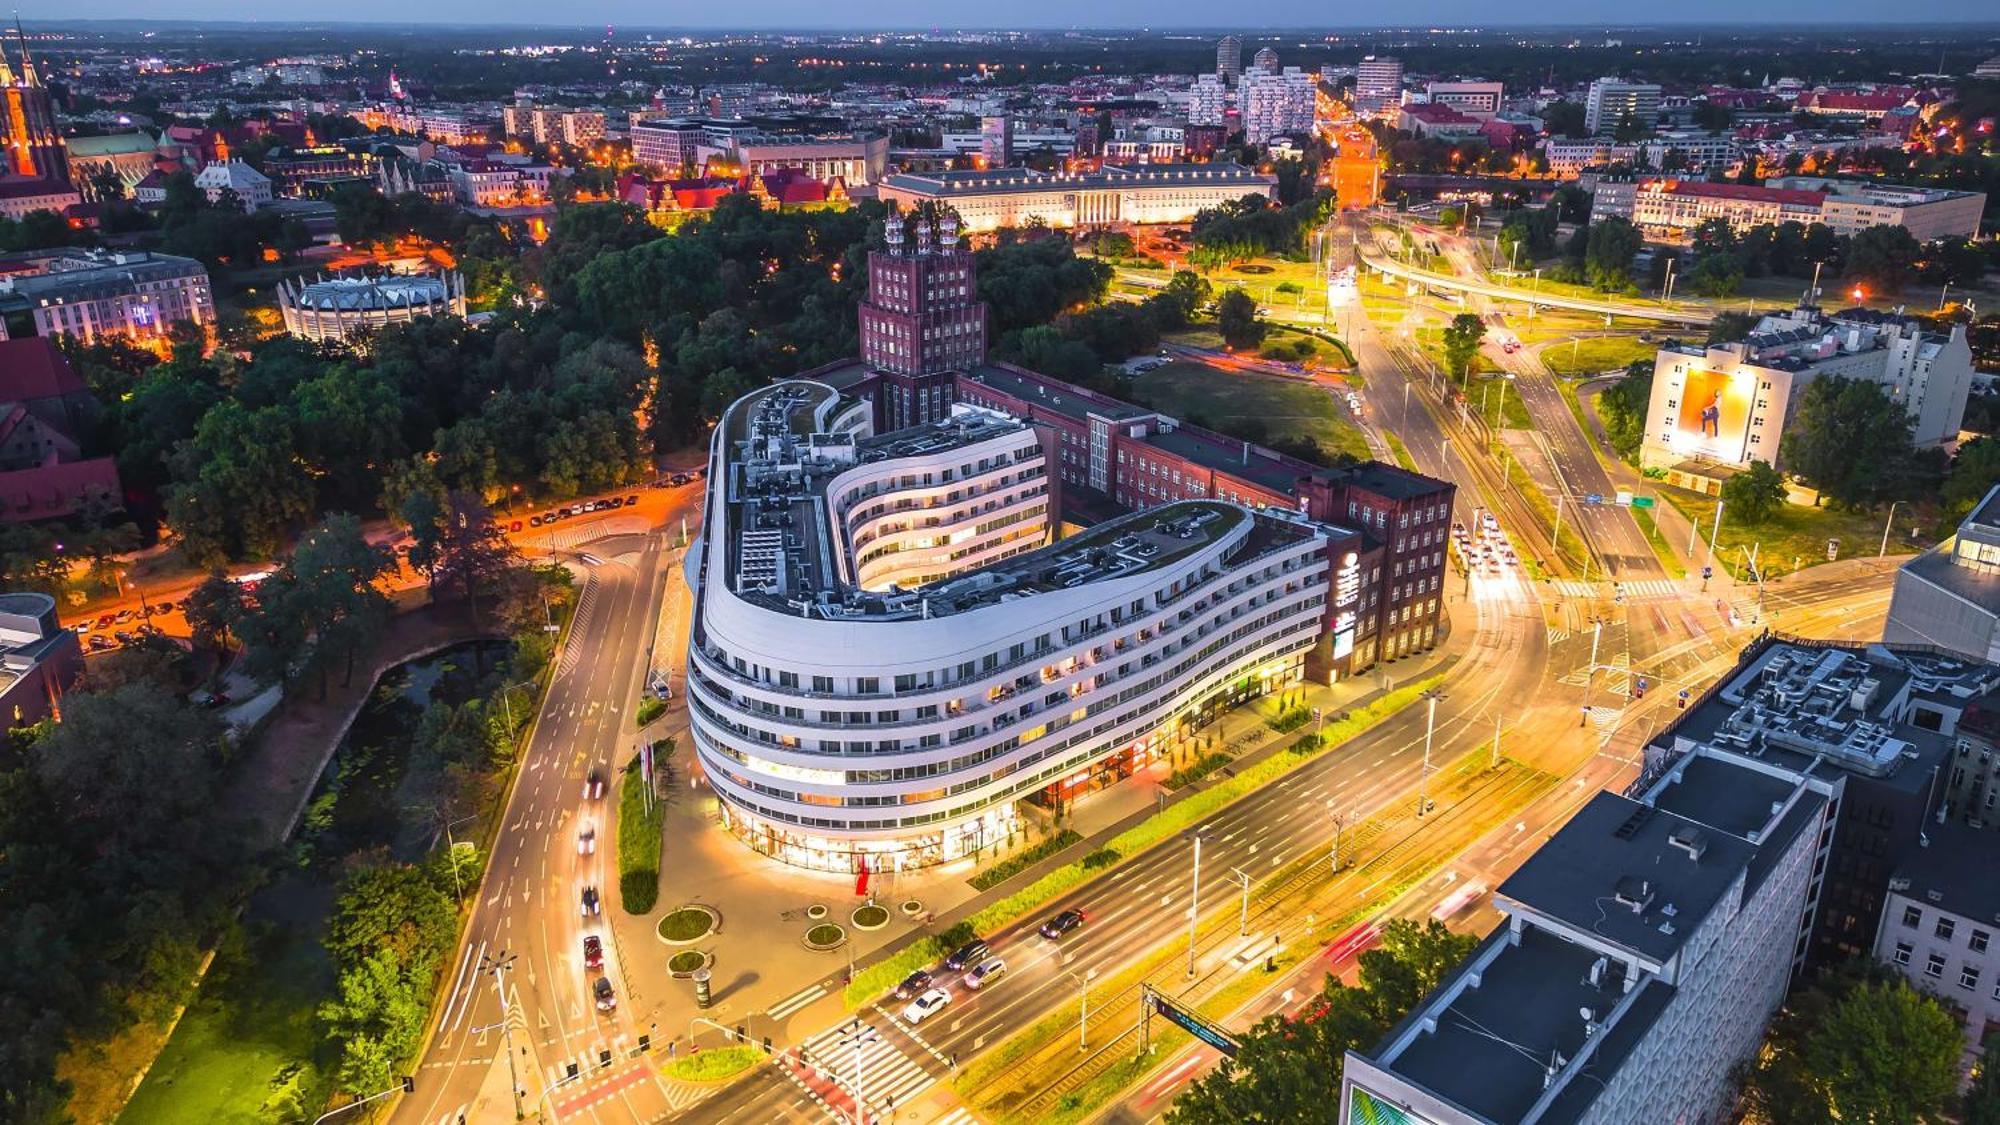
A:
(1638, 877)
(1954, 871)
(1073, 402)
(1489, 1050)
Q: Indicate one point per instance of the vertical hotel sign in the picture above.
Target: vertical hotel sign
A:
(1346, 596)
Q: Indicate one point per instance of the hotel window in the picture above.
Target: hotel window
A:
(1912, 917)
(1945, 928)
(1977, 941)
(1968, 977)
(1935, 966)
(1903, 950)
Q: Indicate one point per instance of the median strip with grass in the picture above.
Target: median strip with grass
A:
(712, 1065)
(640, 838)
(878, 978)
(1022, 860)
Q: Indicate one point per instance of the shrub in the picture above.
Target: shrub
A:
(1290, 719)
(1102, 857)
(1022, 860)
(1201, 767)
(1308, 743)
(650, 708)
(639, 841)
(712, 1065)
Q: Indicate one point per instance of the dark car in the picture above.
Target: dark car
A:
(1061, 924)
(632, 499)
(971, 953)
(914, 984)
(591, 907)
(680, 478)
(534, 521)
(593, 786)
(606, 999)
(98, 642)
(593, 952)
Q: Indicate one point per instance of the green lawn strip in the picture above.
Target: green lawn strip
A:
(249, 1049)
(1020, 861)
(1644, 518)
(713, 1065)
(1498, 400)
(1400, 451)
(1287, 408)
(1196, 770)
(1794, 531)
(1596, 355)
(639, 841)
(1570, 546)
(650, 708)
(870, 983)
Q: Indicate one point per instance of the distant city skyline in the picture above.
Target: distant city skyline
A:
(1040, 15)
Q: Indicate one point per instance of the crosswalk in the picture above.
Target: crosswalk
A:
(798, 1000)
(1643, 588)
(586, 606)
(889, 1077)
(572, 1069)
(573, 532)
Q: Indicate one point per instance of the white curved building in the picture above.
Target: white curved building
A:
(887, 654)
(341, 308)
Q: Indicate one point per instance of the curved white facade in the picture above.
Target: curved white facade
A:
(902, 727)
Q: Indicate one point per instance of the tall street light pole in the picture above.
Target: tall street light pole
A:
(857, 1037)
(1082, 1005)
(1243, 916)
(1339, 822)
(1431, 697)
(1194, 900)
(1885, 529)
(498, 964)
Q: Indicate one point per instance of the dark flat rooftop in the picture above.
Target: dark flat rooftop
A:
(1073, 402)
(1937, 567)
(1489, 1049)
(1613, 872)
(1724, 795)
(1959, 867)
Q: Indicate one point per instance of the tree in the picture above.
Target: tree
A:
(1752, 495)
(1974, 472)
(1730, 326)
(1289, 1067)
(240, 488)
(473, 552)
(1850, 441)
(215, 609)
(1236, 319)
(1882, 259)
(1623, 406)
(1982, 1098)
(1612, 244)
(1713, 116)
(1461, 342)
(1887, 1054)
(1717, 275)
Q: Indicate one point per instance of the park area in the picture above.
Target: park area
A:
(1794, 536)
(1231, 401)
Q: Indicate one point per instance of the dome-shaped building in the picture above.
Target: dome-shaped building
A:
(341, 308)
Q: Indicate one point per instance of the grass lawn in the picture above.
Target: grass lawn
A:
(1500, 402)
(713, 1065)
(1400, 451)
(235, 1057)
(1597, 354)
(1551, 287)
(1196, 392)
(1207, 338)
(640, 839)
(1793, 532)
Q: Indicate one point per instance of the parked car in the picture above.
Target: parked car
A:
(593, 786)
(515, 526)
(985, 973)
(1061, 924)
(925, 1006)
(98, 643)
(606, 999)
(971, 953)
(534, 521)
(632, 499)
(593, 952)
(680, 478)
(591, 906)
(105, 621)
(914, 984)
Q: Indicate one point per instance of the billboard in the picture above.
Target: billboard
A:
(1367, 1109)
(1714, 415)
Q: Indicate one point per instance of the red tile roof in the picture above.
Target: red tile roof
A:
(32, 368)
(47, 491)
(1698, 188)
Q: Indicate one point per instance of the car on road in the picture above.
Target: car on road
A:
(105, 621)
(593, 786)
(606, 999)
(985, 973)
(515, 526)
(534, 521)
(591, 906)
(914, 984)
(1061, 924)
(586, 840)
(966, 955)
(632, 499)
(679, 479)
(925, 1006)
(593, 952)
(98, 643)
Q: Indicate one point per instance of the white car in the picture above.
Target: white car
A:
(593, 786)
(586, 840)
(923, 1007)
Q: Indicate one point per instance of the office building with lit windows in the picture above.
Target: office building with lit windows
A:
(99, 294)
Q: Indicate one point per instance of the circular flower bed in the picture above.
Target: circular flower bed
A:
(687, 961)
(688, 924)
(870, 917)
(825, 936)
(817, 911)
(911, 907)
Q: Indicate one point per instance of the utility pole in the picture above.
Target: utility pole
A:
(1082, 1006)
(1496, 738)
(857, 1037)
(1243, 915)
(1339, 822)
(1885, 530)
(1715, 529)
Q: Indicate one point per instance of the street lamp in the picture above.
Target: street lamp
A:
(1082, 1004)
(1194, 899)
(1339, 822)
(1431, 697)
(1885, 529)
(857, 1037)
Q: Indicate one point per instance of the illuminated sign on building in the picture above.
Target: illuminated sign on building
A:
(1365, 1108)
(1346, 595)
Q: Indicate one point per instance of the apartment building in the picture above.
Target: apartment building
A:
(1613, 101)
(1378, 83)
(1949, 596)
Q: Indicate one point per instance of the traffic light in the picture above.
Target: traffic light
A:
(1682, 702)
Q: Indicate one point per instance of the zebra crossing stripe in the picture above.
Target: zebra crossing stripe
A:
(887, 1074)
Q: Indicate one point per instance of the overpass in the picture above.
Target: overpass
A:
(1392, 268)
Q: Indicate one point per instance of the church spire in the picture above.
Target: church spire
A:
(28, 74)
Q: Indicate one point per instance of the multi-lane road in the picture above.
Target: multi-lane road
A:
(519, 1006)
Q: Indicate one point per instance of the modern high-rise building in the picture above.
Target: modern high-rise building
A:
(1229, 58)
(1208, 100)
(1277, 103)
(1378, 82)
(996, 140)
(1265, 59)
(1612, 101)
